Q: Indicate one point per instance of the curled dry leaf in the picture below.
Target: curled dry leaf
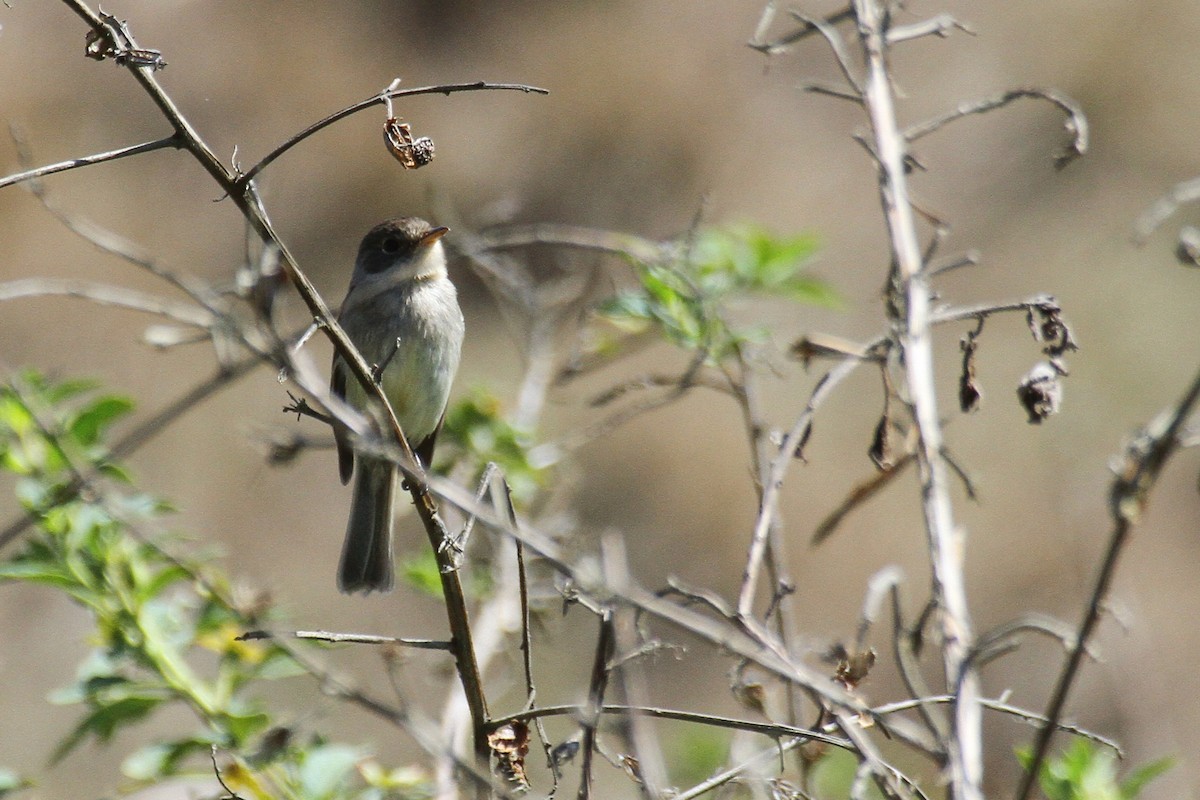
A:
(632, 767)
(852, 668)
(882, 451)
(1187, 250)
(1040, 391)
(1047, 325)
(510, 744)
(969, 394)
(752, 695)
(798, 453)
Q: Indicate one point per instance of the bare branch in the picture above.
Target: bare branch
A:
(380, 99)
(351, 638)
(1076, 123)
(1152, 218)
(859, 494)
(774, 481)
(910, 308)
(838, 46)
(940, 25)
(107, 295)
(785, 42)
(637, 247)
(98, 158)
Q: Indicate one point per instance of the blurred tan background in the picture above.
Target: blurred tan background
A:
(654, 109)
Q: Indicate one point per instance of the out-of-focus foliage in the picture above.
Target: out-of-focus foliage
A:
(165, 633)
(1083, 772)
(480, 434)
(689, 300)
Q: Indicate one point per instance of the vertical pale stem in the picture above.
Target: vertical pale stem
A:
(965, 752)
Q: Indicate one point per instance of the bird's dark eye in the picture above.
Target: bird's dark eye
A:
(391, 245)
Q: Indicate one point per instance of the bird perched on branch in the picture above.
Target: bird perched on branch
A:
(402, 313)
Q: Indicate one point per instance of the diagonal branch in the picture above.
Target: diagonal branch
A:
(1144, 459)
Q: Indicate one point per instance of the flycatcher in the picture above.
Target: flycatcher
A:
(402, 314)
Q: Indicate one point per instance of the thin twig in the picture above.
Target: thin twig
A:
(379, 99)
(860, 493)
(108, 295)
(639, 248)
(1152, 218)
(595, 706)
(646, 747)
(770, 729)
(1076, 124)
(98, 158)
(774, 482)
(351, 638)
(806, 29)
(837, 45)
(940, 25)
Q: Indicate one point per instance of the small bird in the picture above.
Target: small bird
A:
(402, 313)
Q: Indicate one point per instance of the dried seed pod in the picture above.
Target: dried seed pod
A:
(411, 153)
(510, 744)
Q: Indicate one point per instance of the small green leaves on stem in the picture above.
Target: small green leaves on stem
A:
(687, 300)
(1083, 771)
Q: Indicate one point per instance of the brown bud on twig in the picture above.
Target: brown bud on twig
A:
(969, 393)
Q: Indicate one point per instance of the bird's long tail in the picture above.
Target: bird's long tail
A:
(366, 564)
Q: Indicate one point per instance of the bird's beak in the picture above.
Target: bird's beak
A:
(433, 235)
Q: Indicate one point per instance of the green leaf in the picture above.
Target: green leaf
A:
(1081, 772)
(92, 421)
(1132, 786)
(421, 571)
(103, 722)
(324, 770)
(244, 725)
(11, 783)
(59, 393)
(165, 759)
